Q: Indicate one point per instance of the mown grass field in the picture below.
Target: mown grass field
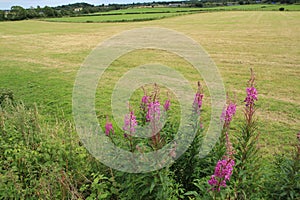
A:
(150, 10)
(115, 17)
(256, 7)
(147, 14)
(39, 61)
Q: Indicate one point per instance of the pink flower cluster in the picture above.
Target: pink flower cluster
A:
(130, 123)
(198, 102)
(167, 105)
(223, 172)
(228, 113)
(251, 96)
(145, 99)
(144, 103)
(109, 129)
(153, 113)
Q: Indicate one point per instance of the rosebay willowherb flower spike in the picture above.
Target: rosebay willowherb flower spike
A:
(167, 105)
(130, 123)
(251, 96)
(153, 113)
(251, 91)
(197, 104)
(223, 172)
(227, 114)
(145, 101)
(250, 99)
(224, 167)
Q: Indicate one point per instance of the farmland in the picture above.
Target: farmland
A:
(35, 51)
(39, 61)
(147, 14)
(115, 18)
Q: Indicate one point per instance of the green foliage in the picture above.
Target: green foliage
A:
(247, 172)
(284, 181)
(187, 168)
(97, 188)
(6, 97)
(40, 161)
(153, 185)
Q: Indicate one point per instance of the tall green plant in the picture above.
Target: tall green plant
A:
(186, 167)
(247, 173)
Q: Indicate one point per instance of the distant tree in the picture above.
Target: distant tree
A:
(48, 11)
(199, 4)
(32, 13)
(17, 13)
(2, 15)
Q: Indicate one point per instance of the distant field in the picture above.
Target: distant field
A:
(147, 14)
(258, 7)
(114, 18)
(39, 61)
(150, 10)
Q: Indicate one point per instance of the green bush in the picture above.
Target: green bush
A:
(39, 160)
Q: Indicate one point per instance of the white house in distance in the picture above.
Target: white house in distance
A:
(78, 9)
(176, 5)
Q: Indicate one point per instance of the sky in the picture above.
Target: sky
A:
(6, 4)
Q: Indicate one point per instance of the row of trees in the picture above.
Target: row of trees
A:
(20, 13)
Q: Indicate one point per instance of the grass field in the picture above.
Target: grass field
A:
(147, 14)
(256, 7)
(114, 17)
(150, 10)
(39, 61)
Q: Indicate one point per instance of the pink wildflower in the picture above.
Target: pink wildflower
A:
(167, 105)
(153, 113)
(109, 128)
(228, 114)
(251, 96)
(145, 102)
(197, 104)
(223, 172)
(130, 122)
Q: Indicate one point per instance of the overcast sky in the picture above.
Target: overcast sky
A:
(6, 4)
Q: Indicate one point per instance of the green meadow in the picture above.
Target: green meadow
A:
(39, 61)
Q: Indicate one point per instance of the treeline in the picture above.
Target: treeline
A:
(20, 13)
(76, 9)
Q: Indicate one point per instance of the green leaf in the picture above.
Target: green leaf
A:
(191, 193)
(152, 186)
